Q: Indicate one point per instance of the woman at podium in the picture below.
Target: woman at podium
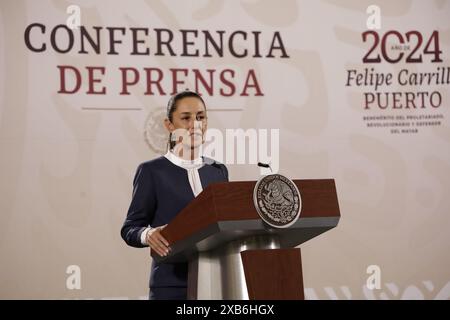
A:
(162, 187)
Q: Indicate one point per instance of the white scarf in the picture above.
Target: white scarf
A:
(191, 166)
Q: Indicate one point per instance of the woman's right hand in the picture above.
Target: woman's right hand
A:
(157, 242)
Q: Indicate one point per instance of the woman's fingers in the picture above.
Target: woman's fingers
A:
(157, 242)
(160, 248)
(162, 239)
(157, 247)
(153, 243)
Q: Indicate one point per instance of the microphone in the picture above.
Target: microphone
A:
(264, 165)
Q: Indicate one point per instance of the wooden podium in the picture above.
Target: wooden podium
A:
(233, 254)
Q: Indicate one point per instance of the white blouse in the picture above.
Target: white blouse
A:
(191, 167)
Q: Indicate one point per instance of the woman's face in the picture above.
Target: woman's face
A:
(190, 115)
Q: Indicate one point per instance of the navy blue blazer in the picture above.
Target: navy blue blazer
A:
(161, 190)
